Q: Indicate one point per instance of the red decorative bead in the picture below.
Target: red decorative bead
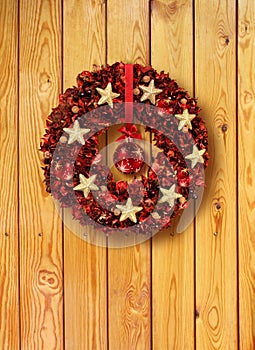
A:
(128, 157)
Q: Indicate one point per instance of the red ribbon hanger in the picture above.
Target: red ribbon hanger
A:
(130, 130)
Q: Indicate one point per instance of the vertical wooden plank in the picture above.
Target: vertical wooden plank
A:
(128, 37)
(40, 228)
(173, 256)
(246, 161)
(172, 39)
(84, 37)
(84, 264)
(129, 268)
(9, 310)
(216, 239)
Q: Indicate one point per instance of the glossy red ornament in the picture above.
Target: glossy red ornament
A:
(129, 157)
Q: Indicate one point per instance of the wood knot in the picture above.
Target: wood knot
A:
(49, 282)
(218, 213)
(213, 318)
(138, 302)
(227, 40)
(44, 82)
(218, 206)
(244, 29)
(224, 127)
(248, 97)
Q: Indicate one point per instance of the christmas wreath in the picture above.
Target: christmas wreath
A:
(136, 98)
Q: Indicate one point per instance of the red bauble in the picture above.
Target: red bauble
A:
(128, 157)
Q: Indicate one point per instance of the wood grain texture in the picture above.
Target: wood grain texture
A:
(246, 153)
(85, 291)
(216, 232)
(84, 264)
(41, 296)
(129, 297)
(173, 256)
(128, 37)
(84, 37)
(9, 309)
(128, 268)
(172, 39)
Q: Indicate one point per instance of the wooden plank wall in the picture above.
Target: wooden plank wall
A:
(192, 291)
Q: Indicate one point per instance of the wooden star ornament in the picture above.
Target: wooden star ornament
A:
(150, 92)
(128, 211)
(76, 133)
(169, 195)
(86, 184)
(196, 156)
(185, 119)
(107, 95)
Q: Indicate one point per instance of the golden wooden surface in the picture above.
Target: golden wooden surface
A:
(246, 172)
(173, 256)
(41, 292)
(59, 292)
(216, 224)
(9, 297)
(85, 282)
(128, 36)
(172, 24)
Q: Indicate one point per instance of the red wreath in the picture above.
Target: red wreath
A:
(128, 83)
